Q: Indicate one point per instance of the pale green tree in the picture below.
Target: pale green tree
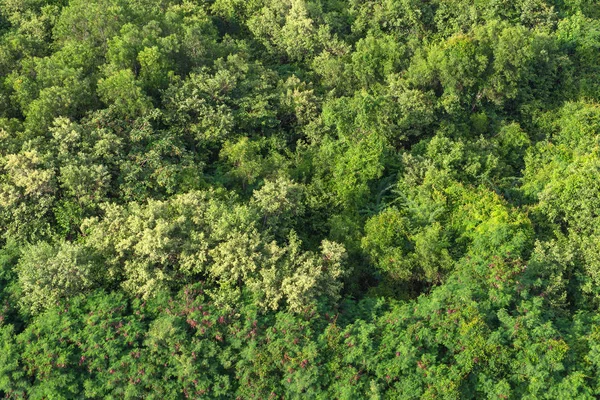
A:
(48, 274)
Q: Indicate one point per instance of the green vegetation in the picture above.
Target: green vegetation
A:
(285, 199)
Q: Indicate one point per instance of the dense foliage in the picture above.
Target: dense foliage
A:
(261, 199)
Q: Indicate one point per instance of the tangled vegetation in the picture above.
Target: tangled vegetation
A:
(281, 199)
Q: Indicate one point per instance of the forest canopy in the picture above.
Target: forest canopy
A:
(281, 199)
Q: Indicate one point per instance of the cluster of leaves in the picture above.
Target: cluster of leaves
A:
(299, 198)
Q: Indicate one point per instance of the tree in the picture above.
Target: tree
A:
(47, 274)
(280, 205)
(27, 194)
